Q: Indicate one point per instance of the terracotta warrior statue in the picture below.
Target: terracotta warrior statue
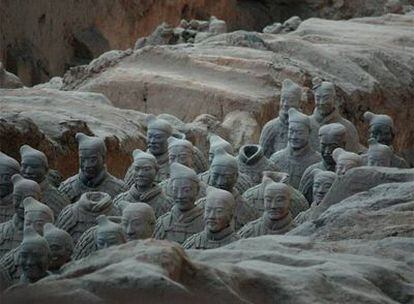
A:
(224, 172)
(331, 136)
(326, 112)
(36, 214)
(322, 183)
(346, 161)
(379, 155)
(93, 175)
(216, 143)
(60, 244)
(298, 155)
(218, 216)
(185, 218)
(103, 235)
(253, 162)
(33, 257)
(80, 216)
(274, 136)
(180, 151)
(276, 218)
(255, 195)
(145, 189)
(138, 221)
(158, 132)
(8, 167)
(11, 232)
(35, 167)
(381, 129)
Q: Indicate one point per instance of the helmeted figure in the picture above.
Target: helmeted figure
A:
(216, 142)
(158, 132)
(185, 218)
(11, 232)
(326, 112)
(255, 195)
(80, 216)
(33, 257)
(36, 214)
(346, 161)
(8, 167)
(224, 172)
(218, 216)
(331, 136)
(381, 129)
(103, 235)
(274, 136)
(145, 189)
(298, 155)
(181, 151)
(93, 175)
(276, 218)
(35, 167)
(138, 221)
(322, 183)
(379, 155)
(200, 163)
(60, 244)
(253, 162)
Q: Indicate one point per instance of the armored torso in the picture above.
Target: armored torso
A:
(259, 227)
(208, 240)
(6, 208)
(295, 162)
(53, 198)
(11, 234)
(155, 197)
(74, 186)
(178, 226)
(79, 217)
(274, 136)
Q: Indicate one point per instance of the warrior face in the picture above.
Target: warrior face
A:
(223, 177)
(145, 172)
(36, 219)
(185, 193)
(217, 214)
(157, 141)
(33, 260)
(92, 162)
(137, 224)
(343, 165)
(33, 168)
(180, 154)
(60, 252)
(383, 134)
(276, 203)
(320, 188)
(298, 135)
(324, 102)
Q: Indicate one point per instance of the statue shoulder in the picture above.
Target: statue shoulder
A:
(191, 241)
(86, 244)
(67, 217)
